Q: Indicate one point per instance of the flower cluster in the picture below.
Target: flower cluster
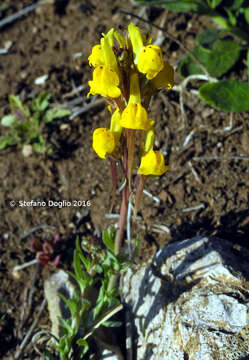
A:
(128, 71)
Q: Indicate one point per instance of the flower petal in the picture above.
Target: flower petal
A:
(152, 163)
(103, 142)
(150, 61)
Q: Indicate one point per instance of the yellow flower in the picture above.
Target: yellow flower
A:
(135, 117)
(136, 40)
(103, 142)
(97, 57)
(165, 78)
(150, 61)
(105, 82)
(107, 49)
(115, 127)
(152, 164)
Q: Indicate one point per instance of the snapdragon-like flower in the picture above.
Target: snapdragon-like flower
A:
(152, 163)
(105, 82)
(103, 142)
(135, 115)
(97, 57)
(150, 61)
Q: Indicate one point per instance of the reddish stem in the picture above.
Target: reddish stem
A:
(122, 220)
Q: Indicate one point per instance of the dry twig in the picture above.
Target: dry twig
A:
(21, 13)
(29, 333)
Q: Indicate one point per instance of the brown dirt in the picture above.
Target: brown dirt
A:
(198, 195)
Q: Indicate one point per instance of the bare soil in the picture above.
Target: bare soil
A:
(205, 190)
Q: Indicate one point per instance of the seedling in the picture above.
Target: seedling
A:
(26, 124)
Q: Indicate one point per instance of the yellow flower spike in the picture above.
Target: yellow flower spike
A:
(103, 142)
(96, 58)
(105, 82)
(164, 79)
(136, 40)
(152, 163)
(150, 61)
(115, 127)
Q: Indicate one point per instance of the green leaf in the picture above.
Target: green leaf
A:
(246, 14)
(236, 4)
(87, 262)
(82, 342)
(4, 142)
(247, 56)
(66, 326)
(41, 102)
(227, 95)
(174, 5)
(215, 3)
(108, 239)
(16, 105)
(8, 120)
(71, 303)
(231, 17)
(207, 38)
(40, 146)
(55, 113)
(217, 61)
(112, 323)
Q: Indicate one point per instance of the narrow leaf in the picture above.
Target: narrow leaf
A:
(16, 105)
(55, 113)
(246, 14)
(4, 142)
(215, 3)
(108, 239)
(40, 103)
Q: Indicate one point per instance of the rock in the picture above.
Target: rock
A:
(58, 283)
(190, 303)
(27, 150)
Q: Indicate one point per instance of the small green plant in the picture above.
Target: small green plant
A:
(128, 71)
(218, 50)
(90, 309)
(26, 124)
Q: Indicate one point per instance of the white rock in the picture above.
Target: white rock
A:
(41, 79)
(191, 303)
(58, 283)
(27, 150)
